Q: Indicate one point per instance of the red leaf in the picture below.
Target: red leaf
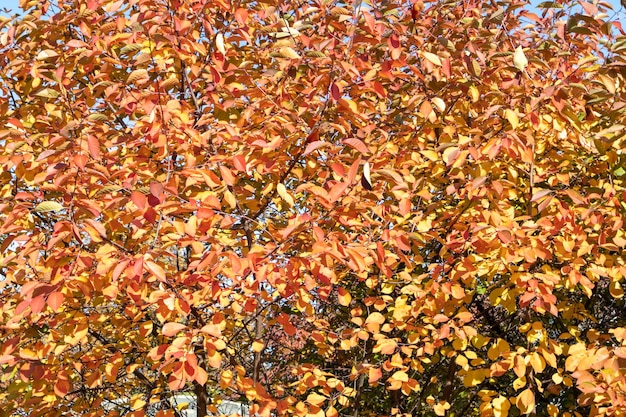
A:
(153, 201)
(241, 15)
(394, 42)
(379, 89)
(80, 160)
(366, 184)
(150, 215)
(335, 93)
(283, 319)
(446, 67)
(313, 136)
(28, 288)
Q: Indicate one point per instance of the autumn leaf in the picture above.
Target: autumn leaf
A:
(171, 329)
(519, 59)
(308, 209)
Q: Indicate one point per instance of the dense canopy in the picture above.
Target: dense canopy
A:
(314, 208)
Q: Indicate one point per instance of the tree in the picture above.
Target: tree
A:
(316, 208)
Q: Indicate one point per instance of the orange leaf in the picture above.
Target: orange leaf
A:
(172, 329)
(239, 162)
(343, 297)
(357, 144)
(61, 387)
(156, 270)
(212, 330)
(55, 300)
(526, 401)
(93, 146)
(374, 374)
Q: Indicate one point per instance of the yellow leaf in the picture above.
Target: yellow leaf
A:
(156, 270)
(430, 154)
(400, 376)
(501, 346)
(537, 362)
(282, 192)
(441, 407)
(616, 290)
(332, 412)
(385, 346)
(315, 399)
(212, 330)
(519, 383)
(230, 199)
(474, 377)
(219, 43)
(343, 297)
(289, 52)
(432, 58)
(519, 59)
(553, 410)
(501, 406)
(137, 403)
(45, 54)
(376, 318)
(424, 225)
(526, 401)
(511, 116)
(47, 93)
(27, 354)
(46, 206)
(191, 225)
(258, 345)
(137, 75)
(439, 103)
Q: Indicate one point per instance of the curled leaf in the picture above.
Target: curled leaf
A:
(366, 181)
(519, 59)
(219, 43)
